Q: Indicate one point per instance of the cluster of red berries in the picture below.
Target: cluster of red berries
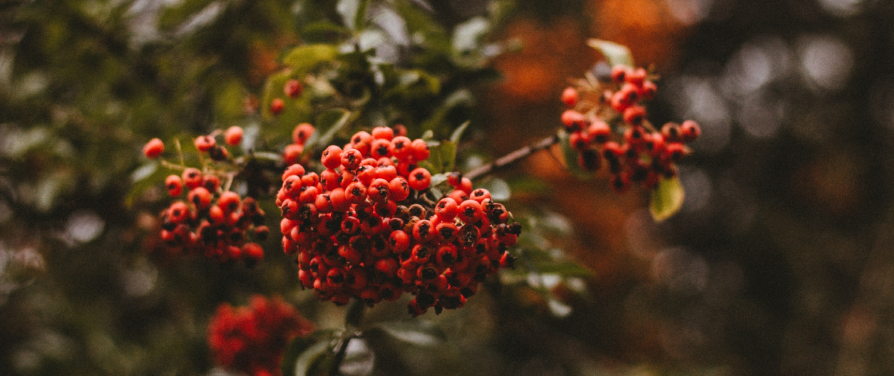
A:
(211, 222)
(253, 339)
(642, 154)
(365, 227)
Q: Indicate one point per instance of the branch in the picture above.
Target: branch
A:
(512, 157)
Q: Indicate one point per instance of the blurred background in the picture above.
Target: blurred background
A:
(781, 261)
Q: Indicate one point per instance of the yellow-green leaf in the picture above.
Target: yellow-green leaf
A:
(614, 53)
(667, 199)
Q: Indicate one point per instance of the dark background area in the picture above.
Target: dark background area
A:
(781, 261)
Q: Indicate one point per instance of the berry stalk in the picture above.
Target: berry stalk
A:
(512, 157)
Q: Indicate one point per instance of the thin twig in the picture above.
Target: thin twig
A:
(512, 157)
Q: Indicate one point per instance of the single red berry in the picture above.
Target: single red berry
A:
(399, 241)
(292, 153)
(470, 211)
(252, 251)
(420, 149)
(399, 130)
(383, 133)
(302, 133)
(399, 189)
(355, 193)
(331, 157)
(424, 231)
(447, 209)
(277, 105)
(229, 201)
(380, 148)
(153, 148)
(386, 172)
(233, 136)
(205, 143)
(420, 179)
(636, 77)
(570, 96)
(634, 115)
(572, 120)
(578, 141)
(178, 212)
(690, 130)
(292, 88)
(192, 177)
(619, 73)
(351, 158)
(401, 147)
(480, 195)
(174, 185)
(648, 90)
(600, 132)
(379, 190)
(294, 169)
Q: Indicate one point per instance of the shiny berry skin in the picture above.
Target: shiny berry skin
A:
(480, 195)
(229, 201)
(447, 209)
(351, 158)
(295, 169)
(277, 105)
(205, 143)
(292, 88)
(153, 148)
(379, 190)
(470, 211)
(178, 212)
(570, 96)
(424, 231)
(355, 193)
(380, 148)
(634, 115)
(399, 189)
(420, 149)
(174, 185)
(399, 241)
(192, 177)
(401, 148)
(385, 133)
(420, 179)
(331, 157)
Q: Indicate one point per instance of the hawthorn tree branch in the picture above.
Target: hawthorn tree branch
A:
(512, 157)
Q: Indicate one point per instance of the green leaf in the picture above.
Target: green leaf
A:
(570, 156)
(458, 132)
(143, 178)
(303, 59)
(416, 332)
(328, 124)
(498, 188)
(308, 361)
(667, 199)
(614, 53)
(353, 13)
(442, 157)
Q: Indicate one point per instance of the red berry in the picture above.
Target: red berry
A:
(229, 201)
(379, 190)
(174, 185)
(383, 133)
(233, 136)
(570, 96)
(292, 153)
(636, 77)
(351, 158)
(447, 209)
(302, 133)
(192, 177)
(420, 149)
(331, 157)
(470, 211)
(600, 132)
(619, 73)
(573, 120)
(634, 115)
(205, 143)
(277, 105)
(690, 130)
(295, 169)
(420, 179)
(153, 148)
(380, 148)
(292, 88)
(401, 148)
(399, 189)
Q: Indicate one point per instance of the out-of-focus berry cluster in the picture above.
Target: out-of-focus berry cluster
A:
(212, 222)
(365, 228)
(252, 339)
(607, 124)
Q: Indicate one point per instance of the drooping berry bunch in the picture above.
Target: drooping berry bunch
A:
(252, 339)
(366, 227)
(606, 121)
(212, 221)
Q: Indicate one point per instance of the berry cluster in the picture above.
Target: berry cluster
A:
(366, 227)
(252, 339)
(634, 150)
(211, 221)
